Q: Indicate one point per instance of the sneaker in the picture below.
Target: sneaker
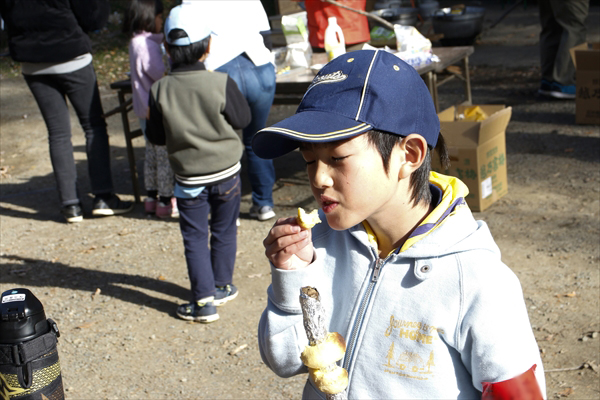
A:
(558, 91)
(563, 91)
(204, 312)
(262, 213)
(545, 87)
(167, 210)
(225, 293)
(72, 213)
(112, 205)
(150, 205)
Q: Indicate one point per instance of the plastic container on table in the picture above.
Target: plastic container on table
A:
(334, 39)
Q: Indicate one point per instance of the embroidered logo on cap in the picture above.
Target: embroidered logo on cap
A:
(333, 77)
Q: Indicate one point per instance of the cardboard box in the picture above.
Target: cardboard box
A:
(477, 153)
(586, 58)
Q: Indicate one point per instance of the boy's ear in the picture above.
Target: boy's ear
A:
(207, 50)
(414, 148)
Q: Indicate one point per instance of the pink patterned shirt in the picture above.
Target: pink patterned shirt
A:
(146, 63)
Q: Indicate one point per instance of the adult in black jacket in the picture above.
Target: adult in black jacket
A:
(48, 38)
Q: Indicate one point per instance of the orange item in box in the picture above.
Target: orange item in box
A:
(474, 113)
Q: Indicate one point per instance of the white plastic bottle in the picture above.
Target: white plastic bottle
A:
(335, 44)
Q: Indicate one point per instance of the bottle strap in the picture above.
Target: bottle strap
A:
(21, 355)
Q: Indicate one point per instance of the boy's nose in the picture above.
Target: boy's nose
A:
(321, 177)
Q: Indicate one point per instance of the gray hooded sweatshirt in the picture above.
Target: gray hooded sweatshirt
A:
(433, 319)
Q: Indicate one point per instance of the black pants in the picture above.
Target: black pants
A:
(563, 27)
(50, 92)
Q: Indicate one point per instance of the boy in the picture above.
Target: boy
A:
(195, 113)
(409, 278)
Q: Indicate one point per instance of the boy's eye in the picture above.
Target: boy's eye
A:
(337, 159)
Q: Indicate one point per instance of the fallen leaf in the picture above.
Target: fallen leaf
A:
(237, 350)
(87, 251)
(84, 326)
(566, 393)
(569, 150)
(96, 293)
(161, 278)
(254, 276)
(572, 294)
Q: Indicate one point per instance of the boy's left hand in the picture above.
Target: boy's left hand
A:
(288, 246)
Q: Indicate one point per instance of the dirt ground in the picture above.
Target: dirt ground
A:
(112, 284)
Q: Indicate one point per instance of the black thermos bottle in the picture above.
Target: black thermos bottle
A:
(29, 366)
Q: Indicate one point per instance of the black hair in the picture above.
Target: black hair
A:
(141, 16)
(186, 55)
(385, 142)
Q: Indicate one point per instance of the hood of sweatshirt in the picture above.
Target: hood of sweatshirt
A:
(449, 228)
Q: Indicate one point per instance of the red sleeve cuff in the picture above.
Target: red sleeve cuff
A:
(522, 387)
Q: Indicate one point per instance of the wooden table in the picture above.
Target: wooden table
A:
(449, 56)
(292, 85)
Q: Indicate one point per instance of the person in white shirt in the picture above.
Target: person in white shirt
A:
(241, 48)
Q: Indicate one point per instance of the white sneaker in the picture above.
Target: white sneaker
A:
(262, 213)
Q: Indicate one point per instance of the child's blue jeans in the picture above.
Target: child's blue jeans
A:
(210, 267)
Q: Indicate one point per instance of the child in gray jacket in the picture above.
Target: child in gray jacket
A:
(411, 280)
(195, 113)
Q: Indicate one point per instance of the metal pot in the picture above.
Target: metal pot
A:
(427, 8)
(460, 27)
(397, 15)
(382, 4)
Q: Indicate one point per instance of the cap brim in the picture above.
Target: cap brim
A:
(306, 126)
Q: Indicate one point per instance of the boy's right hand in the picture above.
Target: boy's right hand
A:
(288, 246)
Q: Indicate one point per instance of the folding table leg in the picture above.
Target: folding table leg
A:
(467, 80)
(130, 153)
(434, 88)
(431, 82)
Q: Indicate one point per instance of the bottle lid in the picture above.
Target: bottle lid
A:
(22, 317)
(332, 20)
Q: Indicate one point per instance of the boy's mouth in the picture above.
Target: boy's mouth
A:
(328, 204)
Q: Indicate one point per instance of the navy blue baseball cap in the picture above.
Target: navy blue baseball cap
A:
(352, 94)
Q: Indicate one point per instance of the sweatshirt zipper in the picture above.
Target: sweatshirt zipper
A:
(361, 312)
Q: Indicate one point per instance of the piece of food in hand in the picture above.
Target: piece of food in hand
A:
(308, 220)
(324, 354)
(330, 381)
